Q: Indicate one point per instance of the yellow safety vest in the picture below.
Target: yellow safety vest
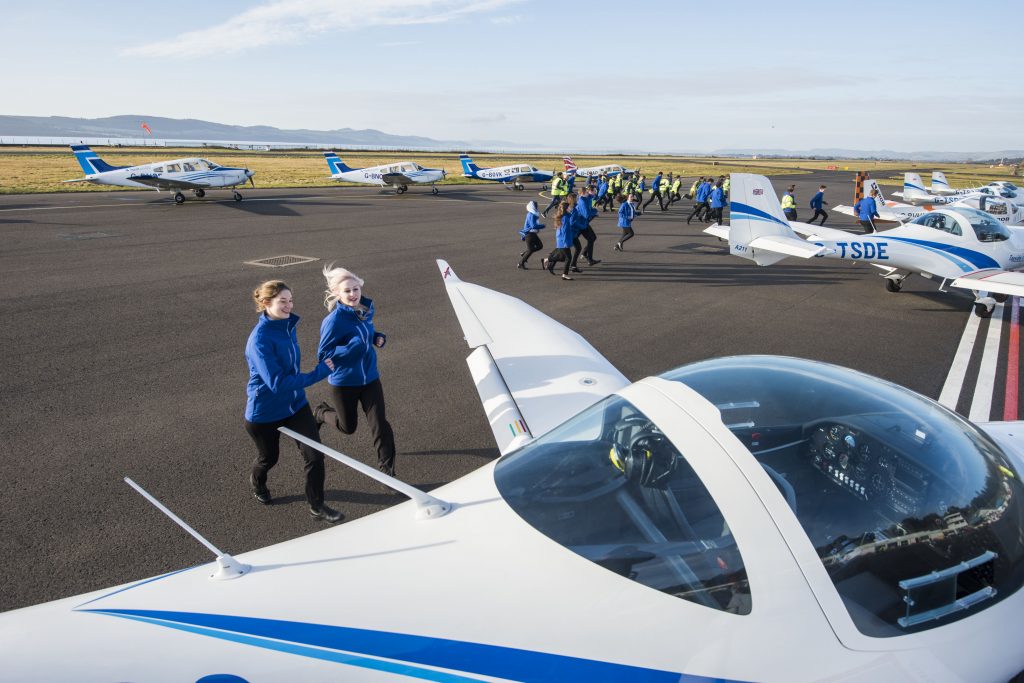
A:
(558, 188)
(676, 185)
(725, 185)
(788, 202)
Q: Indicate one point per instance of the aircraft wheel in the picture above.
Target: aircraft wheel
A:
(199, 193)
(519, 188)
(893, 285)
(237, 196)
(1001, 298)
(179, 198)
(433, 190)
(982, 311)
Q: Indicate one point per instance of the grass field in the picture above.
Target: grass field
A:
(41, 169)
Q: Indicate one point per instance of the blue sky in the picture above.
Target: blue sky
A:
(668, 76)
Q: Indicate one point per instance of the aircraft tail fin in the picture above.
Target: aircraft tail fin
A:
(335, 163)
(913, 187)
(863, 186)
(939, 182)
(469, 169)
(570, 165)
(90, 160)
(758, 230)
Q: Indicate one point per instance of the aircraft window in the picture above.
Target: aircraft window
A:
(939, 221)
(158, 169)
(200, 165)
(188, 166)
(408, 167)
(987, 228)
(1010, 186)
(209, 163)
(997, 208)
(917, 516)
(174, 168)
(609, 486)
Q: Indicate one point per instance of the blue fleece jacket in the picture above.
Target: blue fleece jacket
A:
(656, 183)
(626, 213)
(532, 224)
(276, 388)
(717, 198)
(818, 200)
(564, 235)
(602, 189)
(347, 337)
(703, 192)
(580, 216)
(866, 209)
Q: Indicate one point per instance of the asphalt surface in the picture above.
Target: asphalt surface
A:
(125, 319)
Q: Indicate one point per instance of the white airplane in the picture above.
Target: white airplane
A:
(739, 519)
(594, 171)
(961, 246)
(941, 186)
(888, 210)
(516, 174)
(197, 175)
(1003, 209)
(399, 175)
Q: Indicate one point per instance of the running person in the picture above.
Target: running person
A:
(626, 215)
(563, 240)
(817, 203)
(529, 234)
(277, 397)
(347, 334)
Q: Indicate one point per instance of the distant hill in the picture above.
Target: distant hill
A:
(130, 126)
(837, 153)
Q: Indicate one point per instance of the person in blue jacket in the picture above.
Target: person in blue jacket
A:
(717, 202)
(626, 214)
(529, 234)
(347, 335)
(563, 238)
(277, 396)
(867, 211)
(604, 196)
(817, 203)
(700, 205)
(583, 213)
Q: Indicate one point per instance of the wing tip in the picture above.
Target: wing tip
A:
(447, 273)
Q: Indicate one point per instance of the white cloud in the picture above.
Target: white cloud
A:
(507, 19)
(295, 21)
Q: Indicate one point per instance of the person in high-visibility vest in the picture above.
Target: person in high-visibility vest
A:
(693, 188)
(788, 203)
(725, 186)
(665, 198)
(558, 192)
(673, 191)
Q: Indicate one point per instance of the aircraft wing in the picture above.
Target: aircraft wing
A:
(790, 246)
(817, 231)
(994, 281)
(166, 183)
(531, 372)
(396, 179)
(844, 209)
(76, 180)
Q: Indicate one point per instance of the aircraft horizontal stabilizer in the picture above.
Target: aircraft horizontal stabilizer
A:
(819, 232)
(719, 231)
(994, 281)
(527, 368)
(790, 246)
(77, 180)
(844, 209)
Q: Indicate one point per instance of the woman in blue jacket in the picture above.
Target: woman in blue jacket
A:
(348, 336)
(563, 239)
(626, 214)
(529, 234)
(277, 396)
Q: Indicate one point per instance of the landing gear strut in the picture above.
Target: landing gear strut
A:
(433, 190)
(399, 189)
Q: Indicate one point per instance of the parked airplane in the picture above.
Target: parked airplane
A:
(963, 247)
(193, 174)
(517, 174)
(941, 186)
(398, 175)
(888, 210)
(1003, 209)
(739, 519)
(607, 169)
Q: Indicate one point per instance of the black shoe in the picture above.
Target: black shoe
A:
(320, 411)
(260, 493)
(593, 262)
(325, 514)
(577, 270)
(521, 266)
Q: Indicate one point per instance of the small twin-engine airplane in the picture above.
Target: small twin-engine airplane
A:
(398, 175)
(752, 518)
(197, 175)
(516, 174)
(961, 246)
(593, 171)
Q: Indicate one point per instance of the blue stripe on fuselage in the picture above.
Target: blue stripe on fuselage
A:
(740, 210)
(976, 259)
(352, 645)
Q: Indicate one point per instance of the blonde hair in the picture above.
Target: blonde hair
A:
(335, 276)
(263, 294)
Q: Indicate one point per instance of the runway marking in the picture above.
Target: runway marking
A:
(1012, 364)
(950, 394)
(981, 404)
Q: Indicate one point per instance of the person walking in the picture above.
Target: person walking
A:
(717, 202)
(563, 240)
(655, 192)
(700, 205)
(788, 203)
(347, 334)
(558, 192)
(692, 194)
(638, 190)
(817, 203)
(276, 396)
(626, 215)
(529, 234)
(867, 212)
(603, 193)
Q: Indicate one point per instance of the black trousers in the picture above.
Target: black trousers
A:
(577, 247)
(268, 448)
(533, 244)
(655, 195)
(554, 202)
(370, 397)
(698, 210)
(819, 212)
(869, 226)
(590, 237)
(715, 215)
(790, 214)
(560, 254)
(627, 234)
